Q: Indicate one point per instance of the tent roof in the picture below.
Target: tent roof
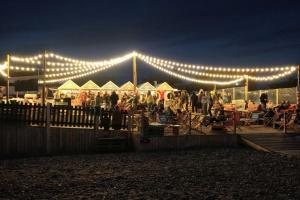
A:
(69, 85)
(109, 86)
(147, 86)
(128, 86)
(164, 86)
(90, 85)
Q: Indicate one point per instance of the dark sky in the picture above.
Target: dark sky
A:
(202, 32)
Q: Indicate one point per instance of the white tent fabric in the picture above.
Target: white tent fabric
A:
(164, 87)
(109, 86)
(147, 87)
(128, 86)
(69, 85)
(90, 85)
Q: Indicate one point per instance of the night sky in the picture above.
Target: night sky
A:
(231, 33)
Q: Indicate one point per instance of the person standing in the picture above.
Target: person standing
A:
(99, 100)
(83, 98)
(106, 100)
(113, 99)
(264, 100)
(204, 102)
(194, 100)
(149, 100)
(182, 100)
(210, 104)
(199, 106)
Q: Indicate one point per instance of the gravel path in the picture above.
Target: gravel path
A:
(201, 174)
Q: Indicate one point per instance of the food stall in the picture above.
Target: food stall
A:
(127, 87)
(67, 94)
(90, 86)
(163, 90)
(109, 87)
(145, 87)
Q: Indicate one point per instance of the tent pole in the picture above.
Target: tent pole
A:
(298, 88)
(8, 76)
(246, 88)
(134, 71)
(44, 80)
(277, 96)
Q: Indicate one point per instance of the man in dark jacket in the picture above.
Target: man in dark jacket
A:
(194, 102)
(113, 99)
(264, 100)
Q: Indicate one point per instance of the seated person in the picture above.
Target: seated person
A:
(246, 105)
(259, 108)
(297, 119)
(219, 117)
(170, 115)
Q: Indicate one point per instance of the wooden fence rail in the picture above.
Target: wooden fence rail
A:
(63, 116)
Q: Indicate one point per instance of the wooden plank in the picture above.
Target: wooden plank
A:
(29, 114)
(66, 122)
(62, 122)
(53, 112)
(57, 115)
(75, 116)
(82, 116)
(71, 116)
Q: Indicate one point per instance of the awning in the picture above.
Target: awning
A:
(109, 86)
(90, 85)
(69, 85)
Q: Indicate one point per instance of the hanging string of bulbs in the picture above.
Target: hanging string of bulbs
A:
(60, 68)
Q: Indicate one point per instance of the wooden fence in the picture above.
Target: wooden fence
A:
(62, 116)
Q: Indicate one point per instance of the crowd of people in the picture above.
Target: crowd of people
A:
(202, 102)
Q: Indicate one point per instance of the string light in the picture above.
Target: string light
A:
(18, 68)
(210, 68)
(193, 79)
(3, 67)
(33, 59)
(214, 75)
(67, 68)
(83, 62)
(80, 74)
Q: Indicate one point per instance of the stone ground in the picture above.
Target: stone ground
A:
(199, 174)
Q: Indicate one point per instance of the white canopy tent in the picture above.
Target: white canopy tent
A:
(164, 87)
(145, 87)
(90, 85)
(128, 86)
(109, 86)
(69, 85)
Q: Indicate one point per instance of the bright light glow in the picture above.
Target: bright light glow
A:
(59, 68)
(2, 68)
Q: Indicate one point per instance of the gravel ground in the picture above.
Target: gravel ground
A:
(201, 174)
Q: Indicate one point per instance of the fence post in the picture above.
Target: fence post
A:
(97, 115)
(234, 121)
(48, 134)
(190, 123)
(284, 122)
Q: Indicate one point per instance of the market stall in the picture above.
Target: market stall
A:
(164, 91)
(67, 92)
(145, 87)
(127, 87)
(90, 86)
(109, 87)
